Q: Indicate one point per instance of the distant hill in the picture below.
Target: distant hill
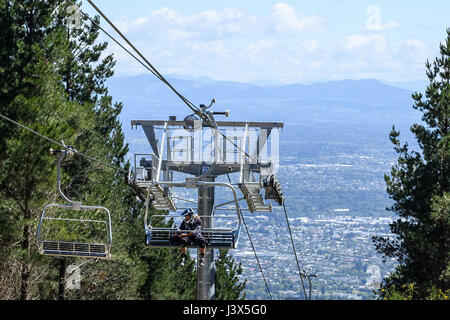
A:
(418, 85)
(142, 88)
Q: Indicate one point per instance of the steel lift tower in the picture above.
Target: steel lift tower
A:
(193, 154)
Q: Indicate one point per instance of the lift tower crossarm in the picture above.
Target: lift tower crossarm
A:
(265, 125)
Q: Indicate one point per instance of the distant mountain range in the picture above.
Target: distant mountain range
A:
(147, 88)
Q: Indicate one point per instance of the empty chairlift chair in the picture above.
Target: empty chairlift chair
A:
(66, 231)
(251, 190)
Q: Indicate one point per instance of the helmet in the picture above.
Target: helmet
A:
(188, 212)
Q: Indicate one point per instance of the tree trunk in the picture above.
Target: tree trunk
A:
(62, 279)
(25, 270)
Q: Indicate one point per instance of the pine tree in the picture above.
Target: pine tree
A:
(419, 185)
(30, 94)
(84, 76)
(166, 279)
(34, 58)
(53, 81)
(228, 284)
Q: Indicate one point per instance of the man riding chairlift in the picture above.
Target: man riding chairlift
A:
(194, 223)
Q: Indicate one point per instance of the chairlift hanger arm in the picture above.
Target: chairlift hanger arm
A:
(63, 153)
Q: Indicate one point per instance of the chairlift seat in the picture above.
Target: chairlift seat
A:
(75, 249)
(215, 238)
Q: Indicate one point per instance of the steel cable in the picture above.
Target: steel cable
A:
(61, 144)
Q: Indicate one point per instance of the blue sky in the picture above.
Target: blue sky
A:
(281, 41)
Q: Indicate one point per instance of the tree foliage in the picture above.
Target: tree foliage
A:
(419, 185)
(228, 284)
(53, 80)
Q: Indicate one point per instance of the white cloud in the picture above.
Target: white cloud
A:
(223, 44)
(287, 19)
(256, 51)
(232, 44)
(414, 50)
(369, 42)
(316, 65)
(414, 44)
(382, 27)
(171, 25)
(216, 24)
(310, 46)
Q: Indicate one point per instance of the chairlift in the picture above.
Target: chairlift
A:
(273, 189)
(225, 236)
(50, 241)
(216, 238)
